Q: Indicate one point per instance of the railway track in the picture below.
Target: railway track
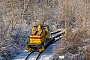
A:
(28, 56)
(42, 51)
(32, 53)
(38, 54)
(53, 40)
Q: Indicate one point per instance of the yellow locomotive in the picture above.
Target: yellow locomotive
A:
(38, 39)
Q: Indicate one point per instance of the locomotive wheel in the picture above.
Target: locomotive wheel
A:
(41, 49)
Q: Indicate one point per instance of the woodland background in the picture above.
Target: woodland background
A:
(18, 16)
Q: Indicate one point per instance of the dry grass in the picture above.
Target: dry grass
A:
(73, 39)
(77, 11)
(87, 52)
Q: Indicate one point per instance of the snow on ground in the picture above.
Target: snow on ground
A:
(33, 56)
(46, 55)
(21, 56)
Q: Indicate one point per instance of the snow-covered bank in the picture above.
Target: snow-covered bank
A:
(21, 56)
(46, 55)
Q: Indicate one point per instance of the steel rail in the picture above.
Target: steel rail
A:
(50, 43)
(28, 55)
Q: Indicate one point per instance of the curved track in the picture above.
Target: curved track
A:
(42, 51)
(53, 40)
(39, 55)
(28, 56)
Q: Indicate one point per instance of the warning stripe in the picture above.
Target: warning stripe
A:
(36, 37)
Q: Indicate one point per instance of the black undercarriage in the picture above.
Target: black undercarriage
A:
(35, 47)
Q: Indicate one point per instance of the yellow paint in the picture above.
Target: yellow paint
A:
(26, 47)
(29, 49)
(39, 27)
(41, 49)
(39, 35)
